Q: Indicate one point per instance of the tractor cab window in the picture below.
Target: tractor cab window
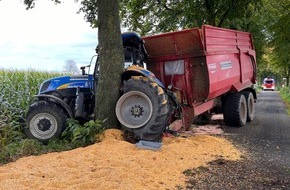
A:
(134, 54)
(134, 50)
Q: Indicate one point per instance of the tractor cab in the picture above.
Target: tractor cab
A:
(134, 53)
(134, 50)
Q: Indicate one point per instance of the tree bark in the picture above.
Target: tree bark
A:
(111, 62)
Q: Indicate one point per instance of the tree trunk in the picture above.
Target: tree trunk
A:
(288, 76)
(111, 62)
(211, 15)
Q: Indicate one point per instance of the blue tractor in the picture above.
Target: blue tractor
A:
(142, 112)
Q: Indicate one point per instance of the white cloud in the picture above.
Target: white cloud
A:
(45, 37)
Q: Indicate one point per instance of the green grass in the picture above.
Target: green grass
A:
(17, 90)
(285, 95)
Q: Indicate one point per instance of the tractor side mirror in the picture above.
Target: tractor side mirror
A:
(83, 70)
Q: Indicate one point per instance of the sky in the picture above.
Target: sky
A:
(45, 37)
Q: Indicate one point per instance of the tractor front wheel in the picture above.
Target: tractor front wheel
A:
(45, 120)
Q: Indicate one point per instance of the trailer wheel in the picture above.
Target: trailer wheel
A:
(235, 110)
(250, 105)
(143, 109)
(45, 120)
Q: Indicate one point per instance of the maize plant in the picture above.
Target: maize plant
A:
(17, 90)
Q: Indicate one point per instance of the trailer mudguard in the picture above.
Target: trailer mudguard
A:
(58, 101)
(135, 70)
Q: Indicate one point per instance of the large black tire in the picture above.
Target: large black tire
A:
(250, 105)
(143, 109)
(235, 110)
(45, 120)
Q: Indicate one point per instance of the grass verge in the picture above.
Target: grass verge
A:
(285, 95)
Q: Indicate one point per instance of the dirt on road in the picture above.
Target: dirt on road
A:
(248, 173)
(117, 164)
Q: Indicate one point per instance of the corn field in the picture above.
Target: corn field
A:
(17, 90)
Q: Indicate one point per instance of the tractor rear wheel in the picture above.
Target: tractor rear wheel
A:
(45, 120)
(235, 110)
(143, 109)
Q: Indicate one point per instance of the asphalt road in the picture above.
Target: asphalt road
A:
(267, 137)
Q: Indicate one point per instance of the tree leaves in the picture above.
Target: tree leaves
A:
(277, 25)
(166, 15)
(31, 3)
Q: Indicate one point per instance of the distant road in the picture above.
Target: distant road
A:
(268, 136)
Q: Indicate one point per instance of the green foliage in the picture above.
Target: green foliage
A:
(163, 15)
(81, 135)
(17, 149)
(89, 7)
(155, 16)
(26, 147)
(275, 17)
(16, 145)
(31, 3)
(10, 134)
(17, 90)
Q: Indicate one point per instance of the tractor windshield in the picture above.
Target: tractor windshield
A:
(134, 50)
(269, 81)
(134, 53)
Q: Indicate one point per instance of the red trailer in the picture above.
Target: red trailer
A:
(201, 71)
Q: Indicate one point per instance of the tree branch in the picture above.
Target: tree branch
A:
(164, 5)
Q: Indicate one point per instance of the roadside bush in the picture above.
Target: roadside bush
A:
(82, 135)
(285, 95)
(15, 150)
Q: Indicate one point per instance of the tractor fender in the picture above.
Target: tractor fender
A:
(135, 70)
(57, 100)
